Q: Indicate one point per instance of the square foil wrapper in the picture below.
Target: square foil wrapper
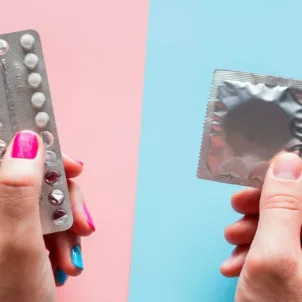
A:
(250, 119)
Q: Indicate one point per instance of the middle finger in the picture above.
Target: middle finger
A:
(242, 231)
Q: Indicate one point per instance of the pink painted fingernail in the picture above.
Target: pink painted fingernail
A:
(80, 162)
(89, 218)
(77, 161)
(25, 145)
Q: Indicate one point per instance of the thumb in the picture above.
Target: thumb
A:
(21, 176)
(280, 210)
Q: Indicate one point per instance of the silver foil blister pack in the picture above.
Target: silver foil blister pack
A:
(25, 103)
(250, 119)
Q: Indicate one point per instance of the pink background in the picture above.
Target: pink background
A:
(95, 53)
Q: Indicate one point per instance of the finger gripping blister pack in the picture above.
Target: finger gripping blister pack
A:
(25, 103)
(250, 119)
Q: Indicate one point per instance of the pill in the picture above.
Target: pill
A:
(47, 138)
(59, 217)
(56, 197)
(27, 41)
(34, 80)
(38, 99)
(52, 177)
(50, 158)
(31, 61)
(42, 119)
(3, 47)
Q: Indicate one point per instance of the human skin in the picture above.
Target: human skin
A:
(268, 257)
(32, 265)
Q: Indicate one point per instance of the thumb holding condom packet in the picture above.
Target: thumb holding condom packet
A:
(267, 257)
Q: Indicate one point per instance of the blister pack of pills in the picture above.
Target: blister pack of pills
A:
(250, 119)
(25, 103)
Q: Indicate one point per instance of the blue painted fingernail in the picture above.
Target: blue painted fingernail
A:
(60, 276)
(76, 257)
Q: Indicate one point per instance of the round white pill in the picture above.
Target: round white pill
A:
(34, 80)
(38, 99)
(27, 41)
(50, 158)
(31, 61)
(47, 138)
(42, 119)
(3, 47)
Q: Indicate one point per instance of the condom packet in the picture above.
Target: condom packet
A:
(250, 119)
(25, 103)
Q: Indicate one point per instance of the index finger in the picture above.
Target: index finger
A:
(73, 168)
(246, 201)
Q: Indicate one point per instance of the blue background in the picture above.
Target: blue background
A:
(178, 242)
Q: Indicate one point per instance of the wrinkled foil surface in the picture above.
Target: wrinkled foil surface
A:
(250, 119)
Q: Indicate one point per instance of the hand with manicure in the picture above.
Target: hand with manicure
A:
(31, 265)
(268, 255)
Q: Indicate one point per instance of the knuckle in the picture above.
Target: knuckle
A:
(282, 201)
(19, 240)
(15, 246)
(18, 181)
(274, 266)
(19, 215)
(16, 199)
(23, 253)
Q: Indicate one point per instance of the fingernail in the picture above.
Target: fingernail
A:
(235, 259)
(76, 257)
(61, 276)
(79, 162)
(287, 166)
(25, 145)
(88, 218)
(229, 261)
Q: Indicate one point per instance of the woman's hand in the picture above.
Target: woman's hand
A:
(26, 268)
(65, 247)
(268, 257)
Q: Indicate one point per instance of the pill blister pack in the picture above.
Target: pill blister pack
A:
(25, 103)
(250, 119)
